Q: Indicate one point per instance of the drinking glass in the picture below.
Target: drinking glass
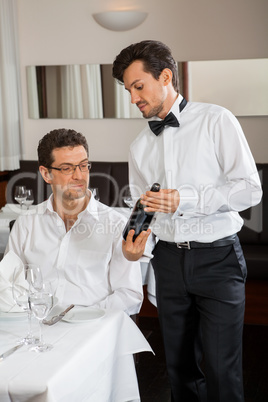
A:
(25, 278)
(20, 194)
(95, 193)
(128, 199)
(29, 198)
(41, 302)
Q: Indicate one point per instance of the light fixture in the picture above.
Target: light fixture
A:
(120, 20)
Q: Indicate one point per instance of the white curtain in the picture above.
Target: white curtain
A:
(81, 95)
(10, 92)
(71, 92)
(91, 90)
(32, 92)
(123, 106)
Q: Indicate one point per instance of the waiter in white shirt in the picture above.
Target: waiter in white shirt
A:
(200, 157)
(75, 234)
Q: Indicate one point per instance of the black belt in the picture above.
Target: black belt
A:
(226, 241)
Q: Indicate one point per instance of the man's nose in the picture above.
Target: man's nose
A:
(135, 98)
(77, 172)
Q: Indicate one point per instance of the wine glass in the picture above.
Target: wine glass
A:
(128, 199)
(95, 193)
(29, 198)
(41, 302)
(25, 278)
(20, 194)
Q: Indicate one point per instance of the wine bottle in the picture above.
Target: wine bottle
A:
(139, 219)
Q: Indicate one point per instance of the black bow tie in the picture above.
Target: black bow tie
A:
(157, 126)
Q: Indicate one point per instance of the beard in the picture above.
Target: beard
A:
(72, 192)
(73, 195)
(154, 111)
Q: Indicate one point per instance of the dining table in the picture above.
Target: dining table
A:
(91, 359)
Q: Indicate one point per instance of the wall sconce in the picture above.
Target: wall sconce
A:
(120, 20)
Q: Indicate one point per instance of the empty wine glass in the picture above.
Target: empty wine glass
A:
(29, 198)
(95, 193)
(20, 194)
(41, 302)
(128, 199)
(25, 278)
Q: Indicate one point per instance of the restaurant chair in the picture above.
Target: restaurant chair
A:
(11, 223)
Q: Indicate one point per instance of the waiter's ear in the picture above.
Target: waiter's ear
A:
(166, 76)
(45, 174)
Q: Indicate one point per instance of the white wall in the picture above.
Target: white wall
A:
(228, 83)
(64, 32)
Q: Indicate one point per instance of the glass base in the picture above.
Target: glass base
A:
(28, 340)
(41, 347)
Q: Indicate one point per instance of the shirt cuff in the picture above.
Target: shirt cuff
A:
(146, 258)
(150, 244)
(188, 203)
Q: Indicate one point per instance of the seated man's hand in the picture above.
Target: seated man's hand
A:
(134, 250)
(166, 200)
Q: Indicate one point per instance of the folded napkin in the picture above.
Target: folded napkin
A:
(14, 208)
(17, 210)
(7, 266)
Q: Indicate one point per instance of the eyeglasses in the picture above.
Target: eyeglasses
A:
(70, 169)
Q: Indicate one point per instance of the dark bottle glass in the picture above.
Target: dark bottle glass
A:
(139, 219)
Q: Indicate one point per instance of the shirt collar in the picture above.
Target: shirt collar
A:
(175, 109)
(50, 203)
(91, 208)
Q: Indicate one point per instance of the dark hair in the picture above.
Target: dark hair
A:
(57, 139)
(156, 56)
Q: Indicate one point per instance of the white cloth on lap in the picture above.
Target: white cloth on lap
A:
(4, 222)
(7, 266)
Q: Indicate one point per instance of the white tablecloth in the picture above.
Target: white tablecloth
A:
(91, 362)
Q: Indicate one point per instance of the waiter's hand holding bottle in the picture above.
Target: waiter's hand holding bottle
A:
(166, 201)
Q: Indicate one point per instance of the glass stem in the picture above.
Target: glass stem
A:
(29, 323)
(40, 332)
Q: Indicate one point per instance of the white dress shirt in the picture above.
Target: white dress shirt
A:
(207, 159)
(92, 268)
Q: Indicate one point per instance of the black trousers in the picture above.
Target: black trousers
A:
(201, 301)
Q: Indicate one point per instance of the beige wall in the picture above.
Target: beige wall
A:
(64, 32)
(228, 83)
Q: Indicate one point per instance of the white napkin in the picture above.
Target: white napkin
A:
(7, 266)
(14, 208)
(4, 222)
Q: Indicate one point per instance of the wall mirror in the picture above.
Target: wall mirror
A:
(88, 91)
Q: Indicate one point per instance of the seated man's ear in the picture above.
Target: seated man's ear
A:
(45, 174)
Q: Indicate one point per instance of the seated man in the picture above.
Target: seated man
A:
(75, 234)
